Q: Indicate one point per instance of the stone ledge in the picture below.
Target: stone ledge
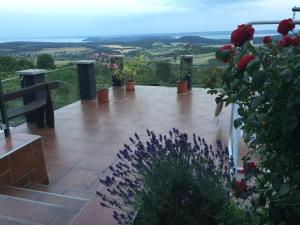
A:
(22, 160)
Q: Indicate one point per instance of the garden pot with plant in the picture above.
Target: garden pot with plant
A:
(182, 83)
(117, 65)
(131, 70)
(102, 95)
(103, 74)
(182, 86)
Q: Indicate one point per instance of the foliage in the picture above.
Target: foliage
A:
(133, 67)
(169, 180)
(117, 67)
(265, 84)
(12, 64)
(45, 61)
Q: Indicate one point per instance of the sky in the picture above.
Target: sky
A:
(58, 18)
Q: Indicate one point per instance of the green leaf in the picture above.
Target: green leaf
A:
(297, 210)
(296, 177)
(241, 111)
(257, 101)
(234, 97)
(284, 190)
(297, 68)
(297, 100)
(291, 122)
(253, 66)
(258, 79)
(287, 75)
(244, 93)
(237, 122)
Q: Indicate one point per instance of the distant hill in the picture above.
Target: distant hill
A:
(148, 41)
(199, 40)
(142, 41)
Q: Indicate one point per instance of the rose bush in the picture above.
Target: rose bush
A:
(264, 81)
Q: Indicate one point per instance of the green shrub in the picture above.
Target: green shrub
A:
(45, 61)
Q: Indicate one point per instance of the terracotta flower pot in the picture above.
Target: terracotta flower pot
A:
(130, 85)
(102, 95)
(182, 86)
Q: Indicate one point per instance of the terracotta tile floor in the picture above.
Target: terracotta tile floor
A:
(87, 136)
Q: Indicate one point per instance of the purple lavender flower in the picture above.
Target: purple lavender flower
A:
(137, 159)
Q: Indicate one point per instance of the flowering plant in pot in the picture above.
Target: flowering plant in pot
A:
(264, 81)
(132, 68)
(170, 179)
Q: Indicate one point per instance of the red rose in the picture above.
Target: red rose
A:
(227, 47)
(285, 26)
(242, 34)
(267, 39)
(249, 167)
(244, 60)
(285, 41)
(240, 186)
(225, 53)
(296, 41)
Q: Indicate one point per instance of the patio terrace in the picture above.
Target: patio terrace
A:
(87, 136)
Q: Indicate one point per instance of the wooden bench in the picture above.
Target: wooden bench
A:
(41, 109)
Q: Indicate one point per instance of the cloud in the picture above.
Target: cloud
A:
(102, 17)
(100, 7)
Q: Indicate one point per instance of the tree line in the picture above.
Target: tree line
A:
(12, 64)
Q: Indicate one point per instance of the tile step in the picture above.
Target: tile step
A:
(6, 220)
(44, 197)
(16, 210)
(76, 193)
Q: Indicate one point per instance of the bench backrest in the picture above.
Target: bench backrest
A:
(6, 97)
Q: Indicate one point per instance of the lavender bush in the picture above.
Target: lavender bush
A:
(169, 180)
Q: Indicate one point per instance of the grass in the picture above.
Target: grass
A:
(64, 50)
(203, 59)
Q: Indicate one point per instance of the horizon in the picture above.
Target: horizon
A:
(94, 18)
(189, 33)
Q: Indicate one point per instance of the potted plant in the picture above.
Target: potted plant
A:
(131, 69)
(102, 95)
(182, 83)
(102, 83)
(117, 64)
